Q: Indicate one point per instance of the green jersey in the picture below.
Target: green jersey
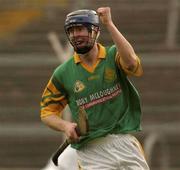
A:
(110, 100)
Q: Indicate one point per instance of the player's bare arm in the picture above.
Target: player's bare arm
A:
(59, 124)
(125, 50)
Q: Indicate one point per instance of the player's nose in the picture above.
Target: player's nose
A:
(76, 32)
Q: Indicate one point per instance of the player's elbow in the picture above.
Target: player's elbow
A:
(131, 65)
(44, 120)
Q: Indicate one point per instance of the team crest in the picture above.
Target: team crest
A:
(109, 75)
(78, 86)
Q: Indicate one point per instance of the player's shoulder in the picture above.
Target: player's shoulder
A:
(111, 53)
(111, 50)
(64, 67)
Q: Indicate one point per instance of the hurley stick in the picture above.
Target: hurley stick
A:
(81, 130)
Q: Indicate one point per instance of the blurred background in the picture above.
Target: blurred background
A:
(29, 52)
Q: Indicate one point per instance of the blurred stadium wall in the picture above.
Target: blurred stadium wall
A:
(27, 60)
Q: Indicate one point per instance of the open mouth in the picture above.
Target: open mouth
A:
(80, 43)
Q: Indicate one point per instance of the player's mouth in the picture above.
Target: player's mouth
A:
(80, 43)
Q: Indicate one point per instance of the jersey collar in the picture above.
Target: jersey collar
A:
(101, 54)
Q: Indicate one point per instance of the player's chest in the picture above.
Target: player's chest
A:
(82, 82)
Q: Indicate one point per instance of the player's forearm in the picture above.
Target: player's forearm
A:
(55, 122)
(124, 48)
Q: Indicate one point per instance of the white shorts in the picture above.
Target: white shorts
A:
(68, 159)
(113, 152)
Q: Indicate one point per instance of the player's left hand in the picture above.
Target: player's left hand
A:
(105, 15)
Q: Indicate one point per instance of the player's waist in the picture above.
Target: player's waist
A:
(110, 138)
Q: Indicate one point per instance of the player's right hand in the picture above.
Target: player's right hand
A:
(70, 131)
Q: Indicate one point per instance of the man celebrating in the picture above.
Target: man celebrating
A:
(95, 79)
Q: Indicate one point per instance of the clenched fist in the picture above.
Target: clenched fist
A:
(70, 131)
(105, 15)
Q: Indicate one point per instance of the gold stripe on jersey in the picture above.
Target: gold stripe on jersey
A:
(55, 98)
(53, 101)
(137, 71)
(51, 110)
(51, 88)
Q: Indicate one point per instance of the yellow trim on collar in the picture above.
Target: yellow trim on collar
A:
(101, 54)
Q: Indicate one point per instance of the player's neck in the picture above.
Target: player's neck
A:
(90, 58)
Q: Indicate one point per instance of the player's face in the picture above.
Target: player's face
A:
(79, 35)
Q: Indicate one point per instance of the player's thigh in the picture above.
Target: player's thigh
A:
(68, 159)
(98, 155)
(132, 155)
(95, 160)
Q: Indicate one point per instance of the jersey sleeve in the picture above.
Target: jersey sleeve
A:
(53, 99)
(137, 70)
